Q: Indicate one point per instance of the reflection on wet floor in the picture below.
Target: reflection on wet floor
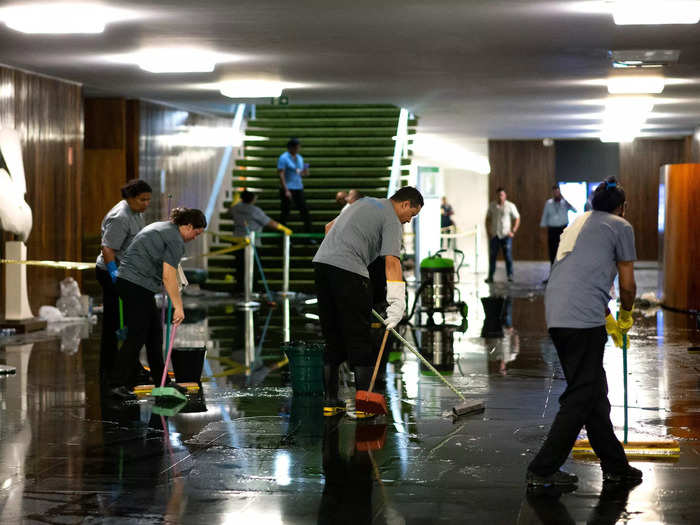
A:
(247, 451)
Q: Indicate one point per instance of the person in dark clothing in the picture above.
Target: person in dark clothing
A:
(291, 168)
(370, 228)
(594, 249)
(149, 264)
(119, 227)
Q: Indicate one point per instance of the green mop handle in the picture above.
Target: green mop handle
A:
(121, 314)
(419, 356)
(624, 380)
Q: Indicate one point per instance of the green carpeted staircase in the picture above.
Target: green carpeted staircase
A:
(346, 146)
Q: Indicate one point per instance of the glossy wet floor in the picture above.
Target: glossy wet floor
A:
(247, 451)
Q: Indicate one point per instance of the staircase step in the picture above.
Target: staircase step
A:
(337, 122)
(313, 182)
(326, 162)
(358, 171)
(324, 142)
(300, 112)
(316, 193)
(314, 152)
(304, 133)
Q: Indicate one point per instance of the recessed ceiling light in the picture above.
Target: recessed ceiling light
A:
(253, 88)
(648, 12)
(635, 84)
(624, 117)
(62, 17)
(176, 60)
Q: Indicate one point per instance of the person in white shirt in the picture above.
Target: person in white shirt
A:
(555, 217)
(502, 222)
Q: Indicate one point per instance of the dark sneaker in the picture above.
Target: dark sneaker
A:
(510, 278)
(333, 407)
(559, 478)
(122, 393)
(489, 280)
(630, 475)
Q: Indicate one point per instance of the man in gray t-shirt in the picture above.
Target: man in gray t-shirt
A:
(368, 229)
(592, 251)
(247, 217)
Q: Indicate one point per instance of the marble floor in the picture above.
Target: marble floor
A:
(245, 450)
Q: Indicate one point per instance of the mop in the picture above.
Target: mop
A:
(123, 330)
(639, 450)
(168, 392)
(461, 409)
(367, 401)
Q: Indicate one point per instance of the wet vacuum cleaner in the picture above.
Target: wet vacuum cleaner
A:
(467, 406)
(664, 450)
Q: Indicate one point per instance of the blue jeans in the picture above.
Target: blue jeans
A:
(505, 244)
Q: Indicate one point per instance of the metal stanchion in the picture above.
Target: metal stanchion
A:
(248, 273)
(286, 249)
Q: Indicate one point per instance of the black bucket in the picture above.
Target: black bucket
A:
(188, 364)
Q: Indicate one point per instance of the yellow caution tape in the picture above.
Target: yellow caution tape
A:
(60, 265)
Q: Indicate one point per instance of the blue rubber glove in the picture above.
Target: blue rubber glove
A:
(113, 270)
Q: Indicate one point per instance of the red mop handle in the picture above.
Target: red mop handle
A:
(167, 359)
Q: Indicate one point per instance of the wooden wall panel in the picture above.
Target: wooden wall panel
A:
(48, 114)
(681, 244)
(640, 162)
(525, 168)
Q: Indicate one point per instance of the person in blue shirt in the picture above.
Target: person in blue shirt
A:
(555, 217)
(291, 168)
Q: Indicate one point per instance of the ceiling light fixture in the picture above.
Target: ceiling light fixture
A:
(253, 88)
(648, 12)
(62, 18)
(635, 84)
(624, 117)
(176, 60)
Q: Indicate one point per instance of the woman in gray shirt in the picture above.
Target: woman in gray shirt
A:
(119, 227)
(150, 263)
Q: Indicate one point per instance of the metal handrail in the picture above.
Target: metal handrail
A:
(400, 150)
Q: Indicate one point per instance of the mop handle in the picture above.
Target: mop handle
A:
(624, 381)
(419, 356)
(167, 359)
(121, 313)
(379, 360)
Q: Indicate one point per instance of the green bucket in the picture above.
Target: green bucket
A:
(305, 367)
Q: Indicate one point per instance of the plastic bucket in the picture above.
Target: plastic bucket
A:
(188, 364)
(305, 367)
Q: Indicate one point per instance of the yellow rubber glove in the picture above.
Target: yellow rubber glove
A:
(613, 330)
(284, 229)
(625, 321)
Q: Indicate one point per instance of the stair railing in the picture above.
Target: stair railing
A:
(400, 152)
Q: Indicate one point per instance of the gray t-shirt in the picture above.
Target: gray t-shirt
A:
(242, 214)
(119, 227)
(368, 229)
(579, 285)
(157, 243)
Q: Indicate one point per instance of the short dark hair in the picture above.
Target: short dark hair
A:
(247, 196)
(134, 188)
(410, 194)
(556, 186)
(191, 216)
(500, 189)
(292, 142)
(608, 196)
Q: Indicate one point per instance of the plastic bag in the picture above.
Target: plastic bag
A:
(70, 306)
(50, 314)
(70, 288)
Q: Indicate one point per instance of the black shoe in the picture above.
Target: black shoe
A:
(629, 475)
(122, 393)
(559, 478)
(489, 280)
(545, 281)
(510, 278)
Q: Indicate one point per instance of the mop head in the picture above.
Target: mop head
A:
(470, 406)
(167, 392)
(122, 334)
(370, 403)
(168, 406)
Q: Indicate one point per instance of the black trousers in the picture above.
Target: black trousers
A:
(110, 322)
(583, 403)
(142, 317)
(345, 309)
(553, 234)
(300, 203)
